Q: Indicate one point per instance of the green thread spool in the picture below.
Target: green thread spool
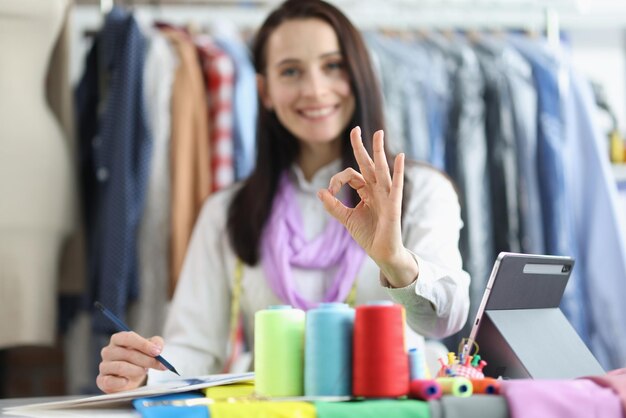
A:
(457, 386)
(279, 351)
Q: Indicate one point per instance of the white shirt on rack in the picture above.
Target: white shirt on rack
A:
(437, 303)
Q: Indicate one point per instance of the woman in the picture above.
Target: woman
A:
(276, 245)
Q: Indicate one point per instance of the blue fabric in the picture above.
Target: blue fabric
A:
(245, 107)
(501, 149)
(115, 149)
(466, 160)
(550, 131)
(557, 217)
(87, 100)
(598, 221)
(518, 74)
(402, 81)
(437, 96)
(147, 409)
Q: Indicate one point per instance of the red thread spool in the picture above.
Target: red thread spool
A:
(425, 389)
(380, 366)
(488, 385)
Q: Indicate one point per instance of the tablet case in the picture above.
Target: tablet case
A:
(522, 332)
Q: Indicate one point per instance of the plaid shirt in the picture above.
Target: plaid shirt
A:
(219, 75)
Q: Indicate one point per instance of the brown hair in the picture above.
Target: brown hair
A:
(277, 148)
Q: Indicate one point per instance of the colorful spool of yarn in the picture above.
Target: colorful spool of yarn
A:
(328, 350)
(278, 351)
(380, 366)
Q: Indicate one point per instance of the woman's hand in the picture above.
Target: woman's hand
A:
(126, 360)
(375, 222)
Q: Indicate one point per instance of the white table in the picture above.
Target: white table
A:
(119, 412)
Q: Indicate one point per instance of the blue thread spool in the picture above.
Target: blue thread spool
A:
(416, 364)
(328, 350)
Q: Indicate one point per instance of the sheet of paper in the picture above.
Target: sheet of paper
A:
(171, 386)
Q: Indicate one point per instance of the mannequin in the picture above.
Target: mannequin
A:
(36, 176)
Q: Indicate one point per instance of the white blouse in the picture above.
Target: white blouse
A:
(437, 303)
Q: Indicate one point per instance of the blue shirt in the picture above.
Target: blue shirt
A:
(245, 106)
(115, 146)
(557, 217)
(598, 222)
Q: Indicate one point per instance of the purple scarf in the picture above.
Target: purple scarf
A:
(284, 246)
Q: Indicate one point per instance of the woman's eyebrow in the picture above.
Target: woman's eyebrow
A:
(287, 61)
(296, 60)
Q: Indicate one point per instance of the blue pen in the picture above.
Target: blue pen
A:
(123, 327)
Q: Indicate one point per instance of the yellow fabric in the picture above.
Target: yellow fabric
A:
(262, 409)
(236, 390)
(351, 299)
(235, 319)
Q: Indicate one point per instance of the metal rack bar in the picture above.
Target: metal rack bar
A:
(531, 15)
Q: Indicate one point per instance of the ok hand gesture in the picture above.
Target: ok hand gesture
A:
(375, 222)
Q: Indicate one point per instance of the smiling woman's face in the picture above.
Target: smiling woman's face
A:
(306, 82)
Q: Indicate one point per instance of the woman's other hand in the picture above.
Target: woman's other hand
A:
(375, 222)
(126, 360)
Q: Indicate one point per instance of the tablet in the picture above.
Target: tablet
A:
(520, 330)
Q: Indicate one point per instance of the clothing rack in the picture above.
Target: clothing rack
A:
(526, 15)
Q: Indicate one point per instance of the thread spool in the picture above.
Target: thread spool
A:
(457, 386)
(380, 366)
(328, 350)
(425, 389)
(488, 385)
(279, 351)
(417, 365)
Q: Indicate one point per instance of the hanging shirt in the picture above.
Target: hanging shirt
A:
(190, 153)
(519, 79)
(437, 100)
(115, 146)
(501, 149)
(467, 163)
(550, 130)
(557, 218)
(401, 84)
(197, 328)
(245, 100)
(598, 222)
(148, 315)
(219, 74)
